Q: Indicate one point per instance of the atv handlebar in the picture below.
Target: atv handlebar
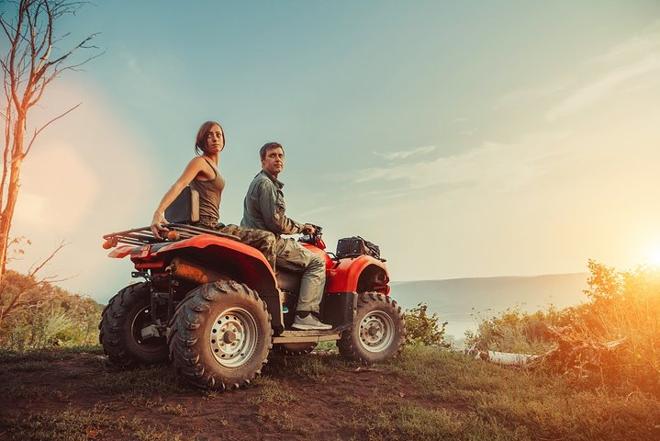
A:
(315, 238)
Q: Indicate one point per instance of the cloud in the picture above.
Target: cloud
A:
(648, 41)
(315, 211)
(591, 93)
(491, 165)
(404, 154)
(530, 94)
(629, 62)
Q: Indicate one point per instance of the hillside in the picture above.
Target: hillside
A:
(457, 300)
(426, 394)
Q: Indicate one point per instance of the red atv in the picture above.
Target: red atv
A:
(214, 306)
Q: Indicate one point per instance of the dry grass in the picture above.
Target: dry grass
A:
(623, 306)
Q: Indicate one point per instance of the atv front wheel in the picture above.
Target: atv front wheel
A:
(122, 322)
(378, 330)
(220, 336)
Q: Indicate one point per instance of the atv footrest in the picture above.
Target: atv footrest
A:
(293, 336)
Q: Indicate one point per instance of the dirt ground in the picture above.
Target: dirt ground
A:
(298, 398)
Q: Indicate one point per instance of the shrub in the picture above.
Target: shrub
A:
(623, 307)
(611, 340)
(516, 331)
(49, 316)
(424, 329)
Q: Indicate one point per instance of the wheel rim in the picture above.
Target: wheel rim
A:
(376, 331)
(233, 337)
(140, 321)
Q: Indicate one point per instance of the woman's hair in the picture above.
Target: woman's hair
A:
(203, 133)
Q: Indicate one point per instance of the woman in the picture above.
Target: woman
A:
(202, 175)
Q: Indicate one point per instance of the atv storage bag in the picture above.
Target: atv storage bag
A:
(185, 208)
(356, 246)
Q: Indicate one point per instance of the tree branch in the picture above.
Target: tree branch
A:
(31, 41)
(73, 67)
(15, 300)
(4, 26)
(38, 268)
(48, 37)
(5, 162)
(80, 45)
(12, 57)
(37, 132)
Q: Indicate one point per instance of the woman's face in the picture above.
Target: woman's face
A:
(215, 139)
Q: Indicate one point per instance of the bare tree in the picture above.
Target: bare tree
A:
(32, 62)
(14, 297)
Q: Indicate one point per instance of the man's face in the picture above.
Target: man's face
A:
(274, 161)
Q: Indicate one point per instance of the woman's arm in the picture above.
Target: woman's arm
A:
(193, 168)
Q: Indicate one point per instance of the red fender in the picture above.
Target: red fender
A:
(238, 257)
(329, 263)
(205, 240)
(345, 276)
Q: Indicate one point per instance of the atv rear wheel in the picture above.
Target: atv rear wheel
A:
(295, 348)
(220, 335)
(122, 322)
(378, 330)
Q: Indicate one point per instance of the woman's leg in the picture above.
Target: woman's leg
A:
(262, 240)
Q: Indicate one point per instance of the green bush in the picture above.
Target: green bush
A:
(516, 331)
(424, 329)
(48, 316)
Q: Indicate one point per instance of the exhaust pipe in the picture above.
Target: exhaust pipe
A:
(192, 272)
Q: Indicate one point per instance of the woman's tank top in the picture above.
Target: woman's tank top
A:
(210, 193)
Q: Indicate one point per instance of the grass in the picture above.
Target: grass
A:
(499, 403)
(458, 398)
(314, 368)
(149, 380)
(46, 355)
(83, 425)
(425, 394)
(272, 392)
(157, 404)
(273, 401)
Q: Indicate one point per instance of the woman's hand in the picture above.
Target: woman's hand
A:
(157, 224)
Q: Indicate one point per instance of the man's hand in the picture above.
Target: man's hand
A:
(308, 229)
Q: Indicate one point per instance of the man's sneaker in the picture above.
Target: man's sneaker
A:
(310, 323)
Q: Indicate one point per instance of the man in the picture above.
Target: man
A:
(264, 208)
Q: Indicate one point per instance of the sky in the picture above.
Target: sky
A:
(467, 139)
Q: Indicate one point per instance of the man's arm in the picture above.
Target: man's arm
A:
(273, 214)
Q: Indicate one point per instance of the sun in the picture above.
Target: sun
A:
(653, 256)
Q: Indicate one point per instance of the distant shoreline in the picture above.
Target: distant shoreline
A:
(489, 277)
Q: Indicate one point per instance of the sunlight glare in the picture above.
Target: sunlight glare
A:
(653, 255)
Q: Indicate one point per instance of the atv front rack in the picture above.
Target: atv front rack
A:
(144, 235)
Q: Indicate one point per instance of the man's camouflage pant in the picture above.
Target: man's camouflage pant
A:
(292, 256)
(264, 241)
(289, 255)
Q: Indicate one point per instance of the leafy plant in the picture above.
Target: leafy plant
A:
(47, 316)
(424, 329)
(610, 341)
